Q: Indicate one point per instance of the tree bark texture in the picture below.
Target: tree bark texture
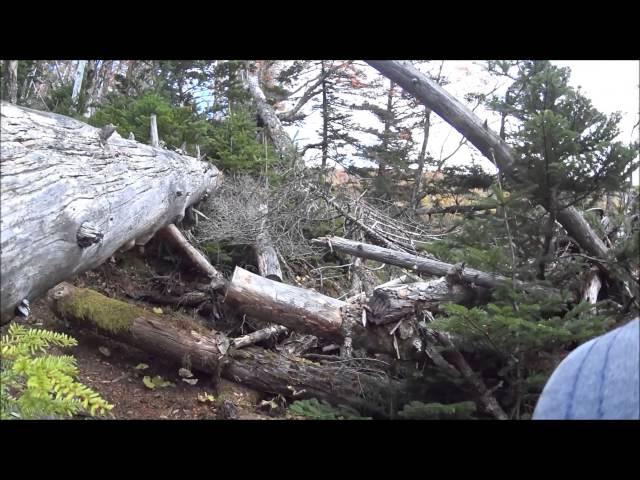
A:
(68, 203)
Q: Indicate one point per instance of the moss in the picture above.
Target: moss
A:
(107, 313)
(116, 316)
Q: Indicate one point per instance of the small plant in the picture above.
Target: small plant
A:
(437, 411)
(35, 384)
(321, 410)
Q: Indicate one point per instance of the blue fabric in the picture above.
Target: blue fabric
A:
(600, 380)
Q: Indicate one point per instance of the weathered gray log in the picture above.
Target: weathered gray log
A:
(12, 74)
(413, 262)
(307, 311)
(178, 338)
(259, 336)
(266, 256)
(56, 176)
(281, 140)
(593, 286)
(77, 82)
(488, 142)
(390, 303)
(176, 238)
(153, 129)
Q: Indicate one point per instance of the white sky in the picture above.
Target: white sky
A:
(611, 86)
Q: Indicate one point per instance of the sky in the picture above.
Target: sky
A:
(611, 85)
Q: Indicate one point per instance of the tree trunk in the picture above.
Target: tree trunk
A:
(177, 338)
(173, 338)
(77, 82)
(382, 164)
(281, 141)
(417, 186)
(391, 303)
(266, 256)
(302, 310)
(155, 140)
(299, 379)
(89, 89)
(413, 262)
(68, 203)
(325, 120)
(485, 140)
(12, 87)
(307, 311)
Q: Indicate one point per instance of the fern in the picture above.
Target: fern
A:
(36, 384)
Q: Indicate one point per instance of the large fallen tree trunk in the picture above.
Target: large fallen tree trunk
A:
(69, 202)
(177, 338)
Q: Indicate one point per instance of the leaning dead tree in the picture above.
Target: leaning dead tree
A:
(281, 141)
(497, 151)
(73, 194)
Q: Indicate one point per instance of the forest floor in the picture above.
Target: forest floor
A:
(116, 370)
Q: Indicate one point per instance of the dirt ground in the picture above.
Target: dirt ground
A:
(114, 369)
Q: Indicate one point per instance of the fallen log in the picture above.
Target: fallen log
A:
(392, 302)
(266, 256)
(310, 312)
(305, 311)
(71, 199)
(173, 235)
(170, 337)
(259, 336)
(418, 264)
(176, 338)
(282, 303)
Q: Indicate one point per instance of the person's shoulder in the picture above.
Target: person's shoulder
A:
(599, 379)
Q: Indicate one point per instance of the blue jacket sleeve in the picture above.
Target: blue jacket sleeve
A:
(600, 380)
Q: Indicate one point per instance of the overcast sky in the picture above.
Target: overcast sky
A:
(611, 85)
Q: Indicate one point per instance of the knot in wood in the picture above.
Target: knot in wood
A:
(88, 234)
